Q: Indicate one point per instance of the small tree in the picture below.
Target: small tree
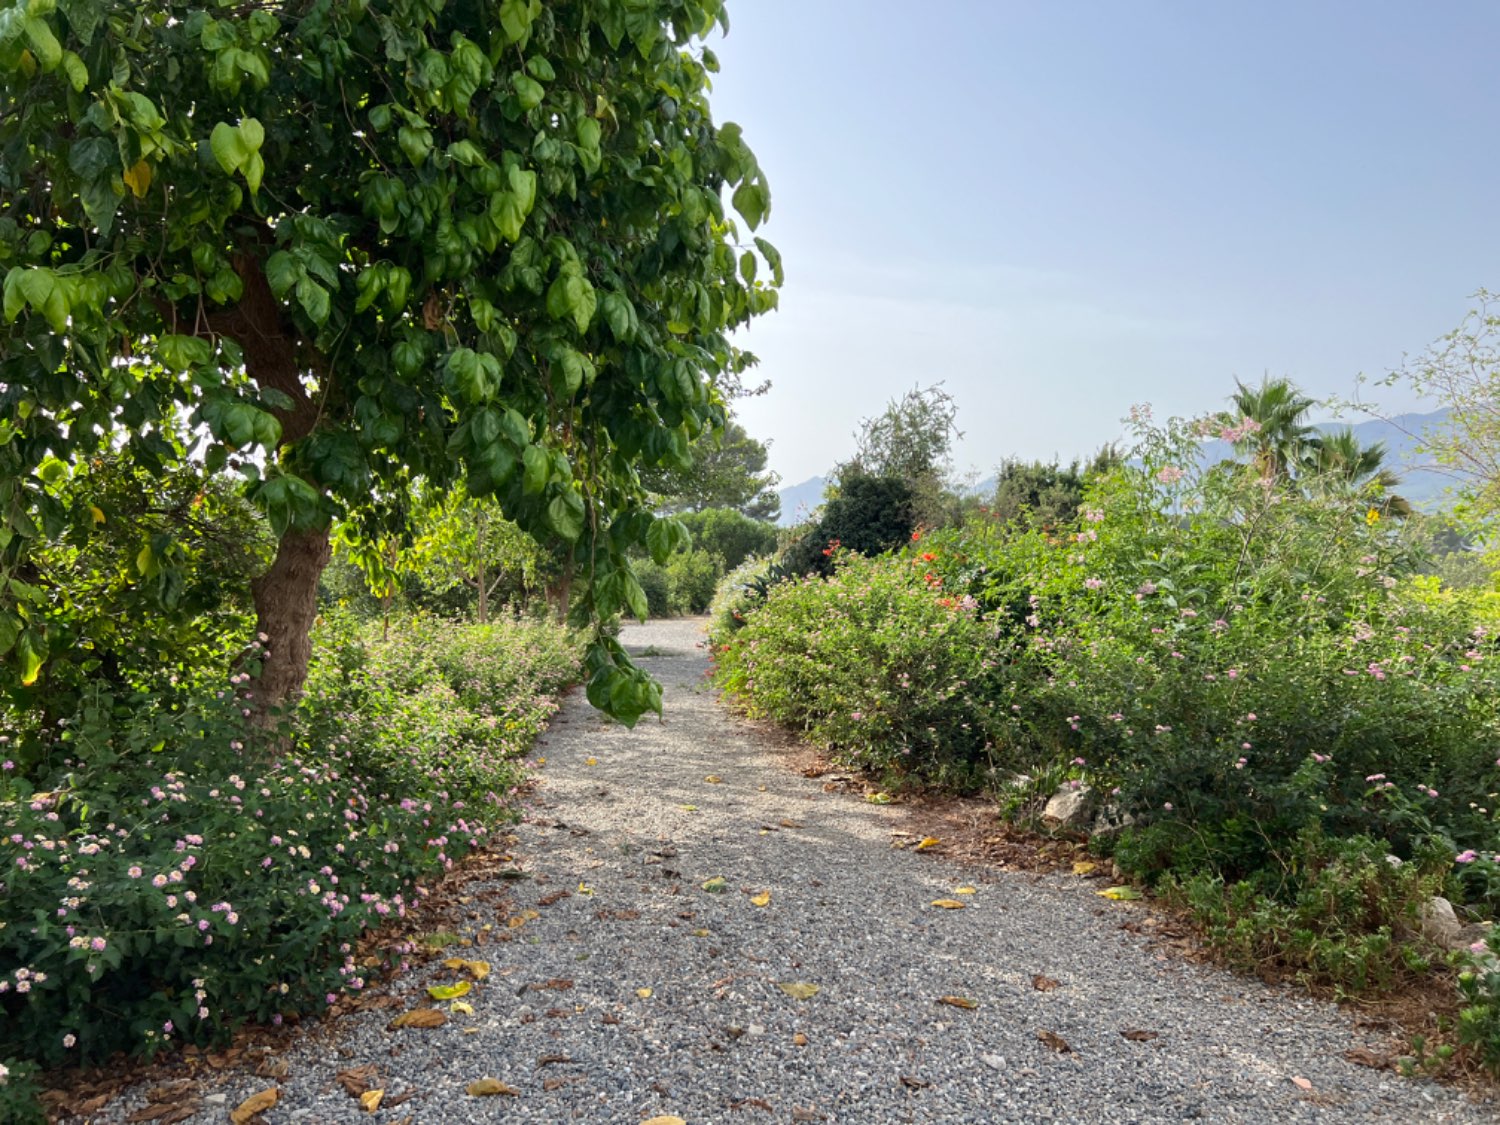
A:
(360, 243)
(728, 471)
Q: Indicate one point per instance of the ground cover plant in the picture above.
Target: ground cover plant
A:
(1238, 662)
(171, 872)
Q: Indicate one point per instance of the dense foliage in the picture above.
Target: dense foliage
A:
(358, 243)
(1238, 666)
(167, 879)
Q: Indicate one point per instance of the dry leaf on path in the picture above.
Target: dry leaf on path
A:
(1137, 1035)
(166, 1114)
(1363, 1056)
(643, 993)
(255, 1104)
(1119, 894)
(369, 1101)
(1301, 1083)
(714, 779)
(272, 1067)
(486, 1087)
(791, 824)
(449, 991)
(1084, 867)
(914, 1083)
(1043, 984)
(664, 1119)
(419, 1017)
(357, 1080)
(949, 903)
(798, 990)
(799, 1040)
(591, 761)
(959, 1002)
(476, 969)
(1055, 1041)
(927, 844)
(715, 885)
(458, 1007)
(965, 891)
(762, 899)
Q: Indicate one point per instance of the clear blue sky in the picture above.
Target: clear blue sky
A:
(1060, 209)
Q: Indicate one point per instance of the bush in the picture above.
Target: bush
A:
(692, 577)
(739, 592)
(171, 874)
(870, 515)
(656, 584)
(730, 534)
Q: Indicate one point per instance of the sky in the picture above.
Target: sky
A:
(1061, 209)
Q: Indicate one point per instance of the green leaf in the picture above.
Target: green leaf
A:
(31, 654)
(747, 267)
(228, 147)
(314, 300)
(536, 469)
(752, 200)
(77, 72)
(416, 142)
(529, 92)
(565, 514)
(182, 353)
(44, 44)
(516, 18)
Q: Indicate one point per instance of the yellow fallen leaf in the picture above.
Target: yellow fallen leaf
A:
(688, 808)
(715, 885)
(880, 798)
(762, 899)
(798, 990)
(591, 761)
(959, 1002)
(949, 903)
(541, 761)
(714, 779)
(471, 1031)
(485, 1087)
(461, 1008)
(369, 1101)
(1119, 894)
(965, 891)
(521, 919)
(799, 1040)
(664, 1119)
(255, 1104)
(449, 991)
(1083, 867)
(476, 969)
(643, 993)
(700, 933)
(927, 843)
(419, 1017)
(584, 888)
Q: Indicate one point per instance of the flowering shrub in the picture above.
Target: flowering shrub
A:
(171, 875)
(1243, 667)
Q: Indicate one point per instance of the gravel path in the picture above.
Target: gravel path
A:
(627, 823)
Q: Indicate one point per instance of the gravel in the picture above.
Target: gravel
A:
(634, 836)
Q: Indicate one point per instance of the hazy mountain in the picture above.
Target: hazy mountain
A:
(798, 501)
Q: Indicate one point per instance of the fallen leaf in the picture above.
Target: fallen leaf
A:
(584, 888)
(1119, 894)
(462, 1009)
(758, 1103)
(476, 969)
(449, 991)
(369, 1101)
(166, 1114)
(714, 779)
(700, 933)
(555, 896)
(1363, 1056)
(1083, 867)
(255, 1104)
(591, 761)
(1136, 1035)
(1301, 1083)
(762, 899)
(664, 1119)
(1055, 1041)
(1043, 984)
(486, 1087)
(798, 990)
(790, 824)
(964, 891)
(521, 919)
(879, 798)
(552, 1060)
(272, 1068)
(643, 993)
(959, 1002)
(715, 885)
(688, 808)
(799, 1040)
(419, 1017)
(949, 903)
(927, 843)
(357, 1080)
(914, 1083)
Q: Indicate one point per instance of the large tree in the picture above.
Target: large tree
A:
(728, 471)
(356, 242)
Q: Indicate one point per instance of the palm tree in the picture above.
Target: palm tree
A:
(1282, 437)
(1339, 458)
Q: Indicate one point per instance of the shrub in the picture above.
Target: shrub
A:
(870, 515)
(692, 577)
(170, 874)
(739, 592)
(656, 584)
(730, 534)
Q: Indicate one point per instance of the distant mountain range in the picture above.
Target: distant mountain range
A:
(1423, 487)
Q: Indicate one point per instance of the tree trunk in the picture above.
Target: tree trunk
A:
(484, 583)
(286, 604)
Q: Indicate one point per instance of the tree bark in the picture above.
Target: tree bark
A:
(286, 604)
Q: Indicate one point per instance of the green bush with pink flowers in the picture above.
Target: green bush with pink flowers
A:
(1235, 666)
(170, 873)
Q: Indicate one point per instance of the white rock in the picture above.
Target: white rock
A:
(1069, 807)
(994, 1062)
(1440, 925)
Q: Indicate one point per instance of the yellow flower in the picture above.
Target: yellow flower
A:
(1372, 517)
